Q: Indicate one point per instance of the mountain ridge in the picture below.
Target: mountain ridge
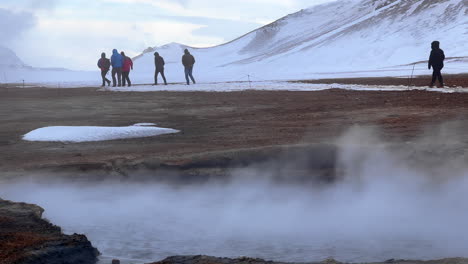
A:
(338, 36)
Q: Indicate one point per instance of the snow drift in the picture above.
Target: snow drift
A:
(93, 133)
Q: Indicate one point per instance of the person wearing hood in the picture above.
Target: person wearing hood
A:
(159, 64)
(436, 61)
(188, 61)
(104, 64)
(117, 64)
(127, 65)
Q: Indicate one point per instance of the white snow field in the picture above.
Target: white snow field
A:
(94, 133)
(345, 38)
(275, 86)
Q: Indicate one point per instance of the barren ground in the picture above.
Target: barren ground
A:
(212, 124)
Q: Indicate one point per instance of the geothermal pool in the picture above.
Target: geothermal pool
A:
(399, 214)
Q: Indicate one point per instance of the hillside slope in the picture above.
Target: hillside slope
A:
(341, 36)
(9, 59)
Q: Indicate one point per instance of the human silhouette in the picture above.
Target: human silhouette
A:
(436, 61)
(117, 64)
(159, 64)
(127, 66)
(188, 61)
(104, 64)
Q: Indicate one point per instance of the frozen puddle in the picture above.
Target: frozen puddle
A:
(95, 133)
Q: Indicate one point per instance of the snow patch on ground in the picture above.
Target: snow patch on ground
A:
(94, 133)
(145, 124)
(274, 86)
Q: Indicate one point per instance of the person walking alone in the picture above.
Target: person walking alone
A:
(127, 66)
(436, 61)
(117, 64)
(159, 64)
(188, 61)
(104, 64)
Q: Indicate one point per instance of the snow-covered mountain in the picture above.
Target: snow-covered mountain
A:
(14, 70)
(342, 36)
(9, 59)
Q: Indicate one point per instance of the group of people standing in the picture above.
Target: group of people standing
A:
(121, 66)
(187, 60)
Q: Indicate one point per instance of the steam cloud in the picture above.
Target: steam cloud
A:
(384, 206)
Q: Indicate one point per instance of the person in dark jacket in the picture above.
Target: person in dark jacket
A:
(159, 64)
(188, 61)
(117, 64)
(436, 61)
(127, 66)
(104, 64)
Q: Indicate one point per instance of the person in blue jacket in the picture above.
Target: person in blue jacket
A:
(117, 64)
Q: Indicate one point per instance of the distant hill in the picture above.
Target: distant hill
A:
(9, 59)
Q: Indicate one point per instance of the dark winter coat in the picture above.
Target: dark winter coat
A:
(188, 60)
(104, 64)
(437, 57)
(159, 62)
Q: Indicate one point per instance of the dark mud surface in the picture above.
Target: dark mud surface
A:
(26, 238)
(246, 260)
(217, 129)
(451, 80)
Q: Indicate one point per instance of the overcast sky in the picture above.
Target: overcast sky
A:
(73, 33)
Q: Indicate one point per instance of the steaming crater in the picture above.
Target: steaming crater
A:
(383, 206)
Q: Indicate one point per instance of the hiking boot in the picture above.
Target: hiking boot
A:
(108, 83)
(129, 85)
(442, 85)
(431, 85)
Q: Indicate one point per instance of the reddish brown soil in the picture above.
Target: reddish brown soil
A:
(453, 80)
(211, 123)
(26, 238)
(14, 245)
(246, 260)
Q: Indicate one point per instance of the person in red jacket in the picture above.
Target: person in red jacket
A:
(104, 64)
(127, 65)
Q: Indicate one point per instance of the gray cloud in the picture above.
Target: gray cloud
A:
(16, 23)
(42, 4)
(20, 21)
(183, 2)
